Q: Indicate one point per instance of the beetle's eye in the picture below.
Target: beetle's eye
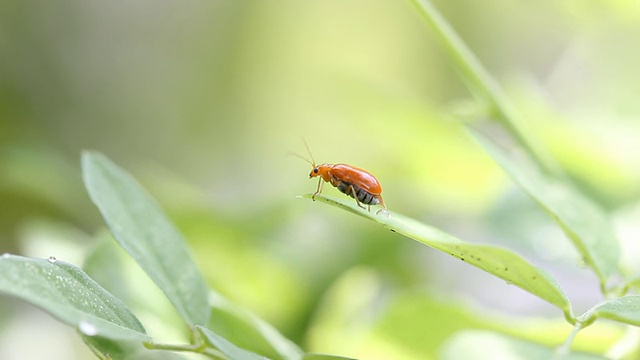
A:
(315, 171)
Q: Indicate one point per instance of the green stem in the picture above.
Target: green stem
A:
(565, 347)
(624, 288)
(483, 85)
(173, 347)
(196, 348)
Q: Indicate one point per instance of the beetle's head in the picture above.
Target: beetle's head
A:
(324, 171)
(316, 171)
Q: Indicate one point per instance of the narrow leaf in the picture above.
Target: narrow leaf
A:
(68, 294)
(482, 84)
(145, 232)
(498, 261)
(625, 310)
(583, 222)
(324, 357)
(246, 330)
(226, 347)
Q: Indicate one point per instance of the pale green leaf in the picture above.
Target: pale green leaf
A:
(580, 218)
(500, 262)
(144, 231)
(247, 331)
(483, 85)
(226, 347)
(68, 294)
(583, 221)
(625, 310)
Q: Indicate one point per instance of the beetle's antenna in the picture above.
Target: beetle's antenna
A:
(312, 161)
(309, 151)
(301, 157)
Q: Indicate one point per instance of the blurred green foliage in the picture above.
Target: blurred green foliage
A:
(202, 100)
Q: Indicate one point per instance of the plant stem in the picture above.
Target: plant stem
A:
(172, 347)
(564, 348)
(196, 348)
(483, 86)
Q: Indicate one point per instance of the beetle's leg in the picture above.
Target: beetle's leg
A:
(353, 191)
(382, 201)
(318, 190)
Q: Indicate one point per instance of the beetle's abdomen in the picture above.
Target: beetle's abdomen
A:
(363, 196)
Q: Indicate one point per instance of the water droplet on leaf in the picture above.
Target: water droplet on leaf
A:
(52, 259)
(385, 212)
(88, 328)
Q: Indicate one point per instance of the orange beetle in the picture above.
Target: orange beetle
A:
(350, 180)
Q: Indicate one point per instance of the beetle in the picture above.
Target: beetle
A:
(348, 179)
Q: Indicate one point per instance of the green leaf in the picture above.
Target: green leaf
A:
(583, 222)
(248, 331)
(70, 295)
(227, 348)
(483, 86)
(500, 262)
(625, 310)
(104, 263)
(145, 232)
(481, 345)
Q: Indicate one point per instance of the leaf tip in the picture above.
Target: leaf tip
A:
(88, 155)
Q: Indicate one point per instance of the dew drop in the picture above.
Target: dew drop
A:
(384, 212)
(52, 259)
(88, 328)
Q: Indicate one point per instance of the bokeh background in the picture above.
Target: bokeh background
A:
(201, 100)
